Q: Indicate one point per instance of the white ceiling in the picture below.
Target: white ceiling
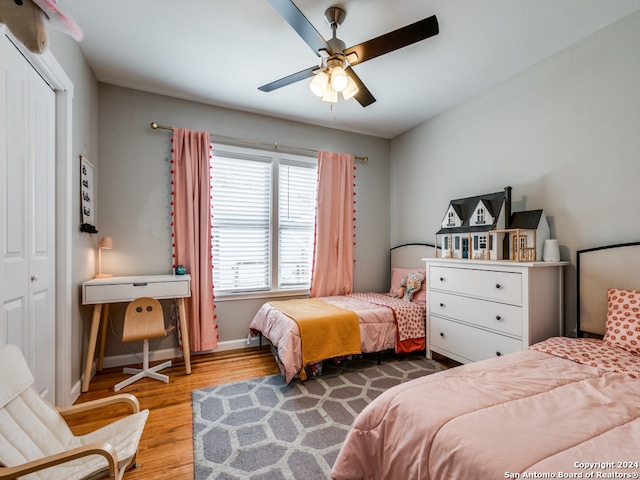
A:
(219, 52)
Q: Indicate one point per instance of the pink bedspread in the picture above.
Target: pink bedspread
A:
(528, 412)
(409, 316)
(377, 329)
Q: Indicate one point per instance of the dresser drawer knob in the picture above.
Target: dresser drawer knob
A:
(498, 317)
(140, 284)
(498, 354)
(442, 305)
(498, 286)
(442, 334)
(442, 279)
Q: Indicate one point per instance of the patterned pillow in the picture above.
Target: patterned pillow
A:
(623, 320)
(414, 282)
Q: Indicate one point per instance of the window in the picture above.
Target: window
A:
(480, 216)
(451, 219)
(483, 242)
(263, 218)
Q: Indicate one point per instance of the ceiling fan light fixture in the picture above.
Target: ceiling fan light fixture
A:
(350, 90)
(330, 95)
(319, 84)
(334, 54)
(339, 79)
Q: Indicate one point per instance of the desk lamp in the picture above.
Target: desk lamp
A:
(106, 243)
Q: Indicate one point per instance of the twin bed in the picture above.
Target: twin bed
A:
(383, 322)
(564, 408)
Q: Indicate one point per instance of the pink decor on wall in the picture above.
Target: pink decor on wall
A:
(192, 232)
(335, 226)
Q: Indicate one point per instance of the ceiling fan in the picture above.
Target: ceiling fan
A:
(336, 57)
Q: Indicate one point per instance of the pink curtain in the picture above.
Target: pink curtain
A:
(192, 232)
(334, 237)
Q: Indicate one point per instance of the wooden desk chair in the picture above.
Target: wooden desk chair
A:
(36, 441)
(143, 320)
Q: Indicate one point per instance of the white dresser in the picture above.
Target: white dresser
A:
(479, 309)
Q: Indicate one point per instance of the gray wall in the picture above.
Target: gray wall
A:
(134, 189)
(84, 138)
(565, 134)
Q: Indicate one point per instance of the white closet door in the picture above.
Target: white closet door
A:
(27, 214)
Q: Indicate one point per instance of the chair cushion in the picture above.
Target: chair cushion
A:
(15, 376)
(124, 435)
(30, 428)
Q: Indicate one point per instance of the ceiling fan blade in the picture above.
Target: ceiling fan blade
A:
(294, 17)
(364, 96)
(293, 78)
(394, 40)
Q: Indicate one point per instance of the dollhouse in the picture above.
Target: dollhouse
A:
(483, 227)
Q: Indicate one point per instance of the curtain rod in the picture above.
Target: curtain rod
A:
(155, 126)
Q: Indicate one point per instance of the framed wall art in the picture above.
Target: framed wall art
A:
(87, 202)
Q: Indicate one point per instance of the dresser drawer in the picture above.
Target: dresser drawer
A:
(464, 341)
(124, 292)
(501, 317)
(492, 285)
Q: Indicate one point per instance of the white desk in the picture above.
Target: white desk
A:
(103, 291)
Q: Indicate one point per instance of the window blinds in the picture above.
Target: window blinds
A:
(297, 200)
(240, 207)
(263, 217)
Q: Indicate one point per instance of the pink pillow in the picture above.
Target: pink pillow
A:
(623, 320)
(397, 274)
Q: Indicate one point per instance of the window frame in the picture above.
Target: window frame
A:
(275, 158)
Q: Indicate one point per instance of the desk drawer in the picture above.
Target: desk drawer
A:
(501, 317)
(469, 342)
(125, 292)
(492, 285)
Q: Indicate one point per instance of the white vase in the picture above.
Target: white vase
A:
(551, 251)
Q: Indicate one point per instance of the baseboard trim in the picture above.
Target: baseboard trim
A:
(238, 344)
(134, 358)
(75, 391)
(170, 353)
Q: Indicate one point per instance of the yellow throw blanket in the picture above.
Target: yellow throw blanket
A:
(326, 331)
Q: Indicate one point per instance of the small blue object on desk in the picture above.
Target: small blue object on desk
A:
(180, 270)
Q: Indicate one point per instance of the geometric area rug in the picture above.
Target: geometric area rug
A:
(265, 429)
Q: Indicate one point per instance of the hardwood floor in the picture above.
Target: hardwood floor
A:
(166, 447)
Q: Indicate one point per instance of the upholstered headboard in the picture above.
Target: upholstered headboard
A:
(410, 255)
(598, 270)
